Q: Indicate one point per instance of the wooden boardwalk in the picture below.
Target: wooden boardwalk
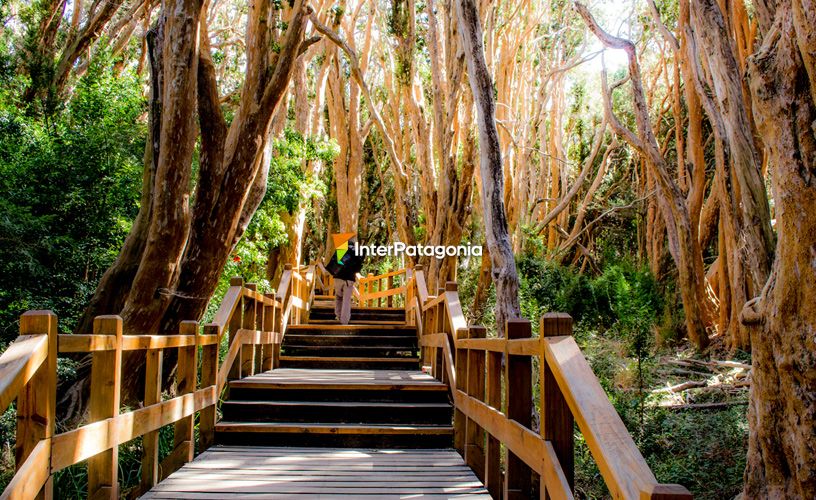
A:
(224, 472)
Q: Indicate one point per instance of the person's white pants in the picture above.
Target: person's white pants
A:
(343, 292)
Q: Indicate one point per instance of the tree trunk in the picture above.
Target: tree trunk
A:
(782, 409)
(683, 244)
(495, 221)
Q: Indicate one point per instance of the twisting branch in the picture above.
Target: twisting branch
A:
(565, 201)
(358, 76)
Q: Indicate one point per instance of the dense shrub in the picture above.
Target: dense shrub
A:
(69, 189)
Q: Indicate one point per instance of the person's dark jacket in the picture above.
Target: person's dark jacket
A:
(348, 267)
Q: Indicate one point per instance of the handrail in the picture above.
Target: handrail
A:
(490, 412)
(19, 363)
(380, 290)
(255, 323)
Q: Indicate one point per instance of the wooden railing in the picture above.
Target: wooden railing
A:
(255, 324)
(492, 386)
(383, 290)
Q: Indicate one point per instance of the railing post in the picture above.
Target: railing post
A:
(37, 400)
(248, 323)
(556, 418)
(474, 434)
(277, 327)
(209, 376)
(390, 286)
(235, 323)
(184, 440)
(460, 367)
(268, 350)
(260, 323)
(519, 403)
(106, 384)
(370, 288)
(154, 359)
(493, 397)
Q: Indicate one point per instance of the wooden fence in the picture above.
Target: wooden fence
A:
(254, 323)
(492, 386)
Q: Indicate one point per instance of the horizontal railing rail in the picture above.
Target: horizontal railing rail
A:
(254, 323)
(383, 290)
(492, 387)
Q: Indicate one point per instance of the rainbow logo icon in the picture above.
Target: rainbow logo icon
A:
(341, 244)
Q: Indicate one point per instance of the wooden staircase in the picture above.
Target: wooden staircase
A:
(355, 385)
(313, 408)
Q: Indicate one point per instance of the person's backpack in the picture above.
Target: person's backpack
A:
(333, 267)
(348, 266)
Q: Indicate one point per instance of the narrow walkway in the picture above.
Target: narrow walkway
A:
(347, 413)
(224, 472)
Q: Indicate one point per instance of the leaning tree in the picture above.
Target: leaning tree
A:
(171, 261)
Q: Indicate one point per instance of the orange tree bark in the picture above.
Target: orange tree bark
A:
(683, 244)
(502, 259)
(233, 163)
(744, 208)
(782, 409)
(171, 262)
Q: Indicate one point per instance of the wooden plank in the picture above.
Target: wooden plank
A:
(106, 384)
(493, 398)
(623, 468)
(475, 387)
(183, 432)
(556, 421)
(74, 446)
(492, 344)
(255, 427)
(519, 404)
(19, 363)
(524, 347)
(235, 325)
(453, 308)
(665, 492)
(341, 379)
(226, 371)
(459, 419)
(229, 304)
(32, 479)
(278, 473)
(248, 323)
(268, 351)
(142, 342)
(150, 441)
(37, 398)
(528, 446)
(86, 343)
(209, 377)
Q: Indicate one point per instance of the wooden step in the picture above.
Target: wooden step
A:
(292, 384)
(346, 351)
(233, 472)
(361, 363)
(377, 330)
(320, 312)
(355, 322)
(360, 412)
(333, 435)
(404, 341)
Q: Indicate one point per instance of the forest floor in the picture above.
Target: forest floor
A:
(687, 415)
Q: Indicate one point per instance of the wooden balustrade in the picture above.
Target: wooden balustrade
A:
(491, 380)
(492, 388)
(254, 323)
(383, 290)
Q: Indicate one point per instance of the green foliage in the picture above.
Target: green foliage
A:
(287, 188)
(69, 189)
(624, 296)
